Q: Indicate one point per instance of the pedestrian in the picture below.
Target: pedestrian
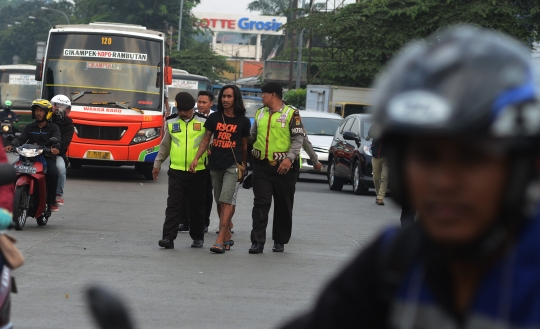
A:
(229, 128)
(205, 101)
(461, 117)
(182, 135)
(379, 165)
(61, 107)
(275, 152)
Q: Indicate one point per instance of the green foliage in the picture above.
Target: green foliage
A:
(201, 60)
(296, 97)
(350, 47)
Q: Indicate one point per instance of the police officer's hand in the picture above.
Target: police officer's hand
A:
(155, 173)
(285, 166)
(54, 151)
(193, 166)
(8, 148)
(317, 166)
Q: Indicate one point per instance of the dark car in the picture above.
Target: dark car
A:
(349, 157)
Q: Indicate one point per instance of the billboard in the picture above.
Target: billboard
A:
(252, 24)
(278, 71)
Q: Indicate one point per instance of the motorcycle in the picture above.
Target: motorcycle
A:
(30, 198)
(7, 129)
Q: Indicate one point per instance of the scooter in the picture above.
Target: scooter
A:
(30, 198)
(7, 129)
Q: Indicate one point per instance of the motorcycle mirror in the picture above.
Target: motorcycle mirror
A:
(107, 309)
(7, 174)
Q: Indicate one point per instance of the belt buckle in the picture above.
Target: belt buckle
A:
(273, 163)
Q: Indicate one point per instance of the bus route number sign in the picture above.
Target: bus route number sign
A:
(106, 41)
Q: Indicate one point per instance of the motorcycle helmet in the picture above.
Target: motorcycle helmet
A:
(61, 107)
(465, 83)
(7, 105)
(44, 104)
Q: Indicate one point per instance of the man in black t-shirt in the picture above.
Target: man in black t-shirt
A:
(229, 128)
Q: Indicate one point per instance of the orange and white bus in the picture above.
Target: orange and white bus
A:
(115, 76)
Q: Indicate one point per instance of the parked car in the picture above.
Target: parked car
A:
(320, 128)
(349, 156)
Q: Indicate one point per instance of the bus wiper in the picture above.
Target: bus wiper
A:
(120, 104)
(80, 94)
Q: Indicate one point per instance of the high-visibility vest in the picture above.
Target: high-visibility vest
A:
(273, 133)
(185, 141)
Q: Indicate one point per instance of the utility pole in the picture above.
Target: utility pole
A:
(293, 39)
(170, 39)
(310, 40)
(180, 23)
(300, 46)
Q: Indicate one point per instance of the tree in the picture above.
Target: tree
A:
(296, 97)
(359, 39)
(201, 60)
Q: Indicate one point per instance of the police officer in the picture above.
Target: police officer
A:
(183, 133)
(275, 169)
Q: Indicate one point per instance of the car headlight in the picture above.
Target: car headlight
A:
(29, 153)
(367, 149)
(5, 128)
(145, 135)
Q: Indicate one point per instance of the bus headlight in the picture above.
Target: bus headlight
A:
(145, 135)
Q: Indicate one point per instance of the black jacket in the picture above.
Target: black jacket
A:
(12, 116)
(32, 134)
(66, 130)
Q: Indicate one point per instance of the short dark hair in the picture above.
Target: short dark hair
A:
(238, 104)
(206, 93)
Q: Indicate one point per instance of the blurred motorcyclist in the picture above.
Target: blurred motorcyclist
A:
(7, 113)
(61, 107)
(461, 116)
(38, 133)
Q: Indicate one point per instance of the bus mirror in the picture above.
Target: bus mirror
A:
(39, 71)
(168, 75)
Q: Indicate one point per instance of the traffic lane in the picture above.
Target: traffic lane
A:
(108, 231)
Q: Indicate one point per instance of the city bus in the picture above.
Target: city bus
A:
(183, 81)
(18, 84)
(115, 75)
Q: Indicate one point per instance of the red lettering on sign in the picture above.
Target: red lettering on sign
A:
(231, 24)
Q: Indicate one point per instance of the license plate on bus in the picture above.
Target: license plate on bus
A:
(25, 169)
(98, 155)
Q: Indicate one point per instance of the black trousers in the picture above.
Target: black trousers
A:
(268, 184)
(185, 185)
(51, 180)
(209, 201)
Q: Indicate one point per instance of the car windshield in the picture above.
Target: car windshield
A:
(252, 105)
(123, 68)
(321, 126)
(366, 124)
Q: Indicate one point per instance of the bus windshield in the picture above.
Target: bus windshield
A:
(19, 87)
(116, 68)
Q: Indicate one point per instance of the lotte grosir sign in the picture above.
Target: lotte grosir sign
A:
(253, 24)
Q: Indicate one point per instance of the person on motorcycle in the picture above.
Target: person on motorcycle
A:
(61, 107)
(39, 133)
(8, 114)
(462, 118)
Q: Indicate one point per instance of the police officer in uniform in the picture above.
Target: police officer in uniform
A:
(183, 133)
(275, 150)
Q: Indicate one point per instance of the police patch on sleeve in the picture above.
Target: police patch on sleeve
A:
(296, 126)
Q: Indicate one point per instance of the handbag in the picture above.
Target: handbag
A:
(11, 253)
(239, 168)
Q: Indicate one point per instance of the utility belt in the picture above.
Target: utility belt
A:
(278, 157)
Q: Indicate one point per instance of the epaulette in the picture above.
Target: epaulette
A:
(199, 114)
(172, 116)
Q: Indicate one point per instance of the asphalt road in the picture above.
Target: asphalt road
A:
(107, 234)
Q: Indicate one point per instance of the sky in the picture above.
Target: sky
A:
(237, 6)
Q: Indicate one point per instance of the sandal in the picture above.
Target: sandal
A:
(229, 244)
(217, 248)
